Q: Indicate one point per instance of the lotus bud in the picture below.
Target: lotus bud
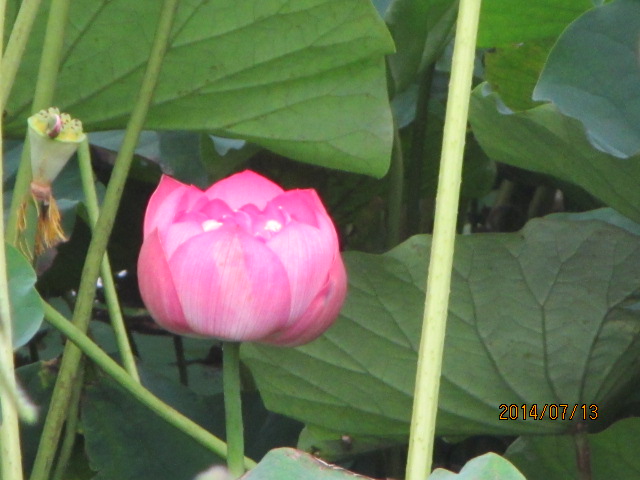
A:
(243, 260)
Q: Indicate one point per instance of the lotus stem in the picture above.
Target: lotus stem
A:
(425, 406)
(233, 407)
(101, 232)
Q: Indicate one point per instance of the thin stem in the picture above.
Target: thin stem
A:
(396, 190)
(43, 96)
(233, 407)
(10, 453)
(395, 459)
(425, 407)
(71, 429)
(180, 360)
(542, 201)
(51, 54)
(20, 192)
(10, 388)
(505, 192)
(34, 355)
(15, 47)
(101, 232)
(111, 296)
(583, 452)
(144, 396)
(415, 164)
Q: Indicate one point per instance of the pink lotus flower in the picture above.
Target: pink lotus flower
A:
(242, 261)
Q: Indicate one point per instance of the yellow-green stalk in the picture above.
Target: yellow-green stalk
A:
(425, 406)
(10, 453)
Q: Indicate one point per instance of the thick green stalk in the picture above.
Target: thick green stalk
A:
(144, 396)
(15, 47)
(43, 96)
(425, 406)
(233, 407)
(113, 305)
(10, 453)
(97, 247)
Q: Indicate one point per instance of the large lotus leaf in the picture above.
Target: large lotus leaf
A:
(520, 35)
(291, 464)
(608, 215)
(592, 75)
(544, 140)
(513, 71)
(126, 440)
(613, 452)
(486, 467)
(421, 29)
(337, 448)
(305, 78)
(26, 305)
(539, 316)
(505, 22)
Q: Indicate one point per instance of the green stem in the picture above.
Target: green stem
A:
(396, 189)
(416, 153)
(178, 346)
(10, 453)
(505, 192)
(583, 452)
(425, 406)
(51, 54)
(11, 391)
(233, 407)
(111, 296)
(71, 428)
(395, 459)
(42, 98)
(144, 396)
(20, 192)
(101, 232)
(542, 201)
(11, 457)
(15, 47)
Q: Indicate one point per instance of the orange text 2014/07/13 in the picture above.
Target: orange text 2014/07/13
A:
(551, 411)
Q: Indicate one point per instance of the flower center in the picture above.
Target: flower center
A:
(258, 224)
(209, 225)
(273, 226)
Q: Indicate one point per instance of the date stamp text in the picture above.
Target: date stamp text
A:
(551, 411)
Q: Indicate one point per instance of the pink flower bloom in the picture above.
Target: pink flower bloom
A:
(242, 261)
